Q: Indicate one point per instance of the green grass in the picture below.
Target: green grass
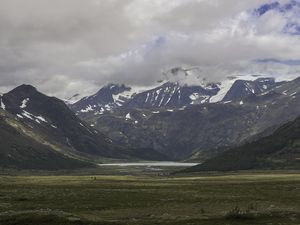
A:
(233, 199)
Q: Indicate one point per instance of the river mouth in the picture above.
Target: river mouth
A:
(150, 164)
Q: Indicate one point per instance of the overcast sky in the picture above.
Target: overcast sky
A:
(69, 46)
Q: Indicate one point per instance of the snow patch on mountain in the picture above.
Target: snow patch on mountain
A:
(128, 116)
(2, 106)
(224, 88)
(20, 116)
(89, 108)
(41, 119)
(28, 115)
(24, 103)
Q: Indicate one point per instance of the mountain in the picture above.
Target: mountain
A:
(107, 98)
(179, 87)
(51, 117)
(179, 132)
(49, 120)
(172, 95)
(20, 151)
(280, 150)
(242, 89)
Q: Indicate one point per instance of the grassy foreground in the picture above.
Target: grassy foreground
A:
(94, 200)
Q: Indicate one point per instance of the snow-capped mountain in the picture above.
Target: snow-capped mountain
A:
(52, 121)
(179, 88)
(173, 95)
(242, 89)
(177, 132)
(48, 128)
(169, 94)
(107, 98)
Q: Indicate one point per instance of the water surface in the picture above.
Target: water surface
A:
(151, 164)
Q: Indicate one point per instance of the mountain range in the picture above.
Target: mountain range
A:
(170, 95)
(203, 117)
(174, 120)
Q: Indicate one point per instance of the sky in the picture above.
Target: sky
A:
(64, 47)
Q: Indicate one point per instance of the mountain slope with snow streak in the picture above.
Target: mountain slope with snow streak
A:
(49, 120)
(178, 132)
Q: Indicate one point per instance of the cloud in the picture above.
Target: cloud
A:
(277, 61)
(69, 46)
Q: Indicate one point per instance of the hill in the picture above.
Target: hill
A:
(280, 150)
(19, 151)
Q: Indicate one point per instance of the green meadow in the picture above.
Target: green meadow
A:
(254, 198)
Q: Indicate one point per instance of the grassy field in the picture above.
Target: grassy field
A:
(254, 198)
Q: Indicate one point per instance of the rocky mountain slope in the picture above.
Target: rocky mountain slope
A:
(280, 150)
(170, 121)
(244, 88)
(107, 98)
(48, 121)
(19, 151)
(178, 132)
(168, 95)
(171, 94)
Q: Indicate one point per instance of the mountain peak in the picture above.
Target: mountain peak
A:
(24, 88)
(116, 88)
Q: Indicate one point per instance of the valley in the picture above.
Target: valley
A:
(170, 122)
(141, 112)
(173, 154)
(181, 158)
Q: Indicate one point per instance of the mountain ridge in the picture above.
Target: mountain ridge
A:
(48, 121)
(180, 131)
(19, 151)
(172, 94)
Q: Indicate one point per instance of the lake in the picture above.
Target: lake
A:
(151, 164)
